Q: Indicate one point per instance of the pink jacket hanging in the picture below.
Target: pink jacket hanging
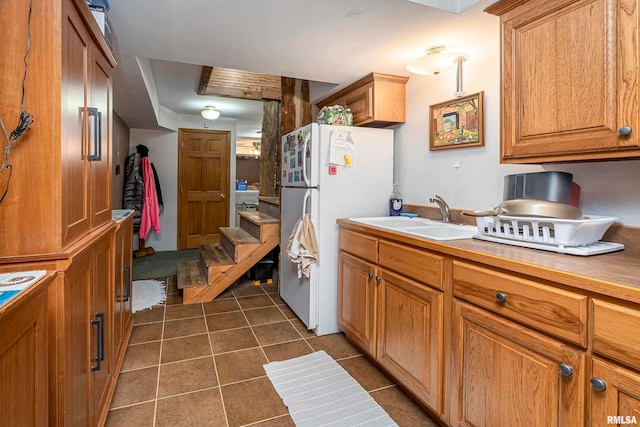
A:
(150, 210)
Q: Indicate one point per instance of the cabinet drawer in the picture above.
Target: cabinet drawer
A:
(360, 245)
(419, 265)
(615, 332)
(556, 311)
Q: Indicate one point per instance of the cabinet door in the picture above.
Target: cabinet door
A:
(99, 138)
(615, 395)
(73, 343)
(122, 314)
(360, 101)
(357, 301)
(75, 183)
(24, 362)
(503, 374)
(410, 335)
(101, 342)
(557, 105)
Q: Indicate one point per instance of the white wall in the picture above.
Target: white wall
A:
(608, 188)
(163, 153)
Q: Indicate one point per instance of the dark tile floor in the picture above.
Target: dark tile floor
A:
(201, 364)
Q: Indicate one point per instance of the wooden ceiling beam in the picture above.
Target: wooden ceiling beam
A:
(225, 82)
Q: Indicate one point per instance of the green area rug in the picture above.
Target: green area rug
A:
(162, 264)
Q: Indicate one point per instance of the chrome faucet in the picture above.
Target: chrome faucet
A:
(444, 207)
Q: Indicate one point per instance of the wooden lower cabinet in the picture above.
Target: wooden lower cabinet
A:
(395, 320)
(615, 394)
(25, 360)
(122, 309)
(357, 301)
(504, 374)
(85, 328)
(410, 335)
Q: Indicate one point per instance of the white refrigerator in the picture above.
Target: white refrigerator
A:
(312, 183)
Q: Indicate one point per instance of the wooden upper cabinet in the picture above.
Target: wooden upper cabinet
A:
(60, 188)
(376, 100)
(569, 80)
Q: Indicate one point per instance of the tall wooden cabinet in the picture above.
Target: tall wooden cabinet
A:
(57, 212)
(569, 80)
(60, 187)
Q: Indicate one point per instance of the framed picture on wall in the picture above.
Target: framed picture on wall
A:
(457, 123)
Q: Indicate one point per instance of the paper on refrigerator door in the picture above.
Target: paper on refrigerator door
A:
(342, 148)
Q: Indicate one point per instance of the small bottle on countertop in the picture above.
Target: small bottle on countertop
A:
(395, 201)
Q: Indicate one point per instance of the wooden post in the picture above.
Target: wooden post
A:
(270, 149)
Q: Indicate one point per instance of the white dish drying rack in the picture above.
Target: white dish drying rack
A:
(571, 236)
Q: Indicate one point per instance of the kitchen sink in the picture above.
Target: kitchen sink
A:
(421, 227)
(392, 222)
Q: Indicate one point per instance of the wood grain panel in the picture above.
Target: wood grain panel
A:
(504, 374)
(365, 247)
(615, 331)
(243, 84)
(417, 264)
(545, 77)
(357, 302)
(203, 181)
(376, 100)
(24, 360)
(76, 220)
(410, 336)
(270, 149)
(558, 312)
(621, 398)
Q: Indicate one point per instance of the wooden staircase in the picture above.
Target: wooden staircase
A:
(240, 248)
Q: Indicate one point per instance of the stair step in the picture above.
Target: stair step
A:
(237, 242)
(214, 254)
(190, 275)
(258, 224)
(269, 205)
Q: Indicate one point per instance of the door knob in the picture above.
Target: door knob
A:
(501, 297)
(222, 195)
(598, 384)
(566, 370)
(370, 275)
(624, 131)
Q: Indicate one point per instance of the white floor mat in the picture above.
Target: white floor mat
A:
(147, 293)
(319, 392)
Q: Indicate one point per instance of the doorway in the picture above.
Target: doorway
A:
(203, 185)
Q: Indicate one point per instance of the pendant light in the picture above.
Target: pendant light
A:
(210, 112)
(436, 61)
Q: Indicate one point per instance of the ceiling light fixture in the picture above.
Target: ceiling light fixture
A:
(210, 112)
(436, 61)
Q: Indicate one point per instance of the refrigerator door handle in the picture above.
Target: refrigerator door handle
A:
(304, 202)
(305, 178)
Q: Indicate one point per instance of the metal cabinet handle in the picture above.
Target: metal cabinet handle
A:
(598, 384)
(97, 134)
(127, 283)
(101, 317)
(566, 370)
(624, 131)
(378, 278)
(370, 275)
(501, 297)
(97, 367)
